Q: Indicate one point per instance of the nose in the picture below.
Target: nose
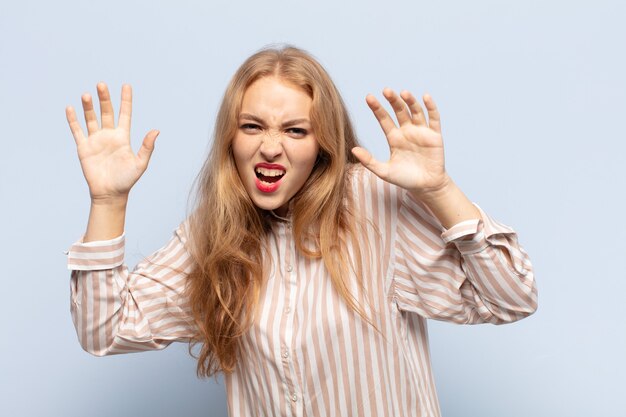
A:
(271, 145)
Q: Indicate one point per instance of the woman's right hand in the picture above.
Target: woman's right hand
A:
(108, 162)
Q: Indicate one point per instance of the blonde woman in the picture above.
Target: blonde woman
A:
(307, 269)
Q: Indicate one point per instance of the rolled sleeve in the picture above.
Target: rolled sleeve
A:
(96, 255)
(474, 236)
(468, 236)
(117, 311)
(473, 272)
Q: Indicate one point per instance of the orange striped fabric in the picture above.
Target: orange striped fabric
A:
(307, 354)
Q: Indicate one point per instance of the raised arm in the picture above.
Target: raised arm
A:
(470, 271)
(109, 164)
(416, 160)
(115, 310)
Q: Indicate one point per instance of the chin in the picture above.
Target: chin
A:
(267, 205)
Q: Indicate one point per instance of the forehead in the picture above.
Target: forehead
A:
(273, 98)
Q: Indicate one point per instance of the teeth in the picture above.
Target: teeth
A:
(269, 172)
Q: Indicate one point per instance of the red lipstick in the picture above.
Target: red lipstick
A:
(268, 182)
(266, 187)
(269, 166)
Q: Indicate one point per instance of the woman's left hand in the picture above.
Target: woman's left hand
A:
(416, 161)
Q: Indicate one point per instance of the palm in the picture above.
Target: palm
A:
(108, 162)
(416, 159)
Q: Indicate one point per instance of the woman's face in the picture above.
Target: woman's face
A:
(275, 147)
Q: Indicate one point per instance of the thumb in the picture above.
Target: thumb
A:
(369, 162)
(145, 152)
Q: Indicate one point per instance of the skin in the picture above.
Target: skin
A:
(416, 162)
(274, 127)
(109, 165)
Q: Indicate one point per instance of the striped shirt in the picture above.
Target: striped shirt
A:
(307, 353)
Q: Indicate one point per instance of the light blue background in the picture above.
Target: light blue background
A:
(532, 96)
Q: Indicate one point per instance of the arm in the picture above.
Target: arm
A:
(417, 160)
(473, 272)
(113, 310)
(108, 162)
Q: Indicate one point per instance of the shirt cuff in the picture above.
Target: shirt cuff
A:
(472, 236)
(96, 255)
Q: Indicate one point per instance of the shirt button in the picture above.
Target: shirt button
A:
(287, 310)
(285, 354)
(294, 398)
(289, 268)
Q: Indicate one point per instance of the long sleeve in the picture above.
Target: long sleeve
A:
(117, 311)
(475, 272)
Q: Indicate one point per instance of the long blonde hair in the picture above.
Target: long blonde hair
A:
(227, 230)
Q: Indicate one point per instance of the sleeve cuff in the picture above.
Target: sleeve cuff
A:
(97, 255)
(472, 236)
(460, 230)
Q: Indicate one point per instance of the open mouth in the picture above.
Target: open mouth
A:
(269, 176)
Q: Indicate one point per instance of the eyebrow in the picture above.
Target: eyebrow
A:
(288, 123)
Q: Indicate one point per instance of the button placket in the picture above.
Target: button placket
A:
(291, 290)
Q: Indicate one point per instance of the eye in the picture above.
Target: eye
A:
(250, 128)
(297, 132)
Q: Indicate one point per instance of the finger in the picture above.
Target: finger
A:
(106, 107)
(434, 121)
(385, 121)
(147, 147)
(369, 162)
(90, 115)
(399, 106)
(417, 114)
(77, 131)
(126, 107)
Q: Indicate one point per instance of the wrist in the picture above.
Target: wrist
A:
(439, 193)
(448, 204)
(110, 201)
(106, 218)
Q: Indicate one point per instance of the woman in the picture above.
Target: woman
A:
(307, 268)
